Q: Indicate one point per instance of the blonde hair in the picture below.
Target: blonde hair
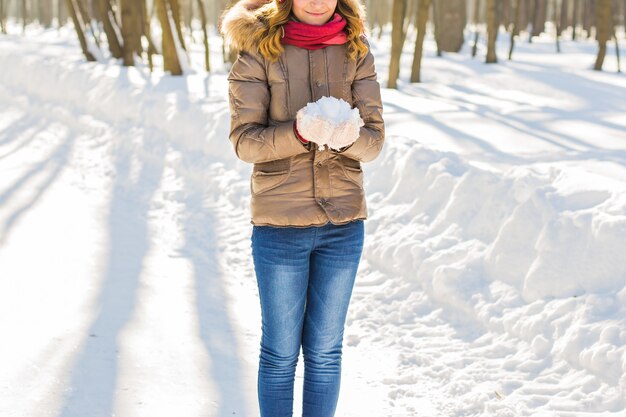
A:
(275, 15)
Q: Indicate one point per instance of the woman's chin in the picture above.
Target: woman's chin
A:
(317, 20)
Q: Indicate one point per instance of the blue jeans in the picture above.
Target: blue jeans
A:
(305, 278)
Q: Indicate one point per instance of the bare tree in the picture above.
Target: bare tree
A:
(203, 21)
(575, 18)
(451, 18)
(539, 17)
(146, 18)
(378, 14)
(437, 27)
(45, 13)
(619, 63)
(229, 55)
(422, 20)
(61, 12)
(589, 14)
(477, 5)
(492, 32)
(557, 11)
(25, 15)
(131, 30)
(186, 11)
(564, 20)
(175, 13)
(603, 27)
(79, 26)
(111, 28)
(171, 60)
(515, 26)
(3, 15)
(397, 41)
(85, 17)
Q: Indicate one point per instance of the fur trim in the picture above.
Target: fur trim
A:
(241, 23)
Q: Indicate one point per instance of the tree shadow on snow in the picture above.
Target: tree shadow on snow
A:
(215, 320)
(542, 130)
(93, 379)
(40, 177)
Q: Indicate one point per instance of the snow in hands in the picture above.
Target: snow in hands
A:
(329, 121)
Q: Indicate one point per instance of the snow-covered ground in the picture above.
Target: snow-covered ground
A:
(493, 281)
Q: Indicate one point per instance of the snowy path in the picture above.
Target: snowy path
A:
(125, 299)
(126, 284)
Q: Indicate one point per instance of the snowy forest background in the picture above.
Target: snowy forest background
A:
(493, 280)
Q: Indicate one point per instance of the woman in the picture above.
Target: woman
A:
(308, 202)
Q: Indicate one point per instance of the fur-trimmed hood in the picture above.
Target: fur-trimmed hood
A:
(241, 24)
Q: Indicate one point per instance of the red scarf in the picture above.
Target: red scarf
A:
(313, 37)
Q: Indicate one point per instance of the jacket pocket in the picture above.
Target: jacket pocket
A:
(269, 175)
(354, 174)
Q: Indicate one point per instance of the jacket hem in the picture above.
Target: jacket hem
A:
(309, 225)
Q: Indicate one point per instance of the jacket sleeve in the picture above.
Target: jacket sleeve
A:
(366, 97)
(254, 138)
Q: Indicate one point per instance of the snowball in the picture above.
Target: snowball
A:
(333, 110)
(329, 121)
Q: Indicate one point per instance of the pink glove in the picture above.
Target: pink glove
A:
(329, 121)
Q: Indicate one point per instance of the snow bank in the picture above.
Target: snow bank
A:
(533, 252)
(547, 230)
(192, 110)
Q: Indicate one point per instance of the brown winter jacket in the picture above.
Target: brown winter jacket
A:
(292, 185)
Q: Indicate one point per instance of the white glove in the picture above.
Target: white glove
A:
(329, 121)
(346, 133)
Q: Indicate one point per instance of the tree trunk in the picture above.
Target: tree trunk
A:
(492, 32)
(171, 61)
(25, 16)
(451, 18)
(422, 20)
(603, 28)
(405, 21)
(437, 28)
(556, 10)
(145, 20)
(575, 18)
(61, 12)
(514, 29)
(506, 16)
(87, 21)
(397, 40)
(131, 30)
(564, 20)
(45, 13)
(589, 11)
(3, 27)
(614, 13)
(499, 12)
(110, 28)
(477, 5)
(207, 51)
(175, 8)
(186, 12)
(540, 12)
(619, 63)
(80, 31)
(378, 13)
